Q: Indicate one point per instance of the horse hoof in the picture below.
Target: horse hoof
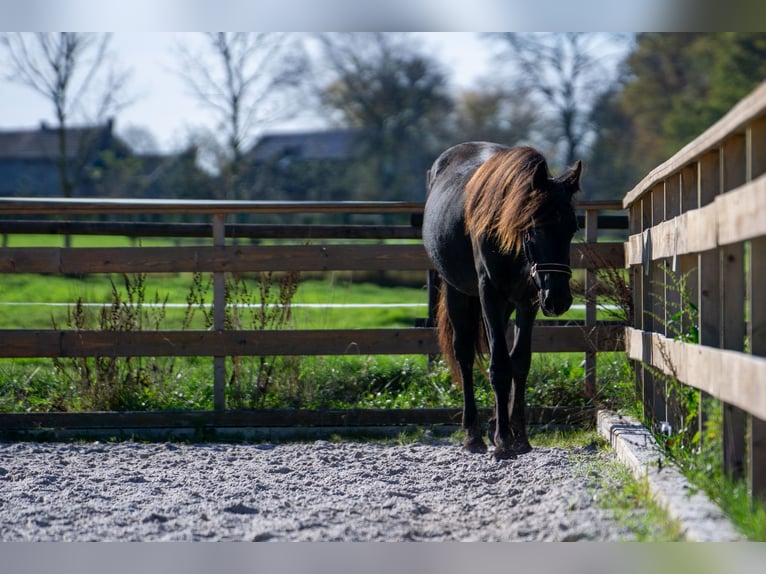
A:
(521, 447)
(503, 453)
(475, 446)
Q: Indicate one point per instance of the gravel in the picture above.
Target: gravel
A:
(319, 491)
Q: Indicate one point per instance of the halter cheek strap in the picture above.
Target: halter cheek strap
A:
(537, 268)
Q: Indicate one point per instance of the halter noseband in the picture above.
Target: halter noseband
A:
(537, 268)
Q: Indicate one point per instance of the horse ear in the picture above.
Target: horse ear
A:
(571, 179)
(540, 179)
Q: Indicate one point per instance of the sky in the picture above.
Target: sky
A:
(163, 104)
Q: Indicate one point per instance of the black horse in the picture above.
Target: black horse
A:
(498, 230)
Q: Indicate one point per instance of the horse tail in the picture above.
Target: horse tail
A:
(445, 335)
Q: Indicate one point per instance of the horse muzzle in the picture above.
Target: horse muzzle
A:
(555, 296)
(554, 305)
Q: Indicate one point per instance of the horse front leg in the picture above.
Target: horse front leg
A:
(495, 311)
(521, 359)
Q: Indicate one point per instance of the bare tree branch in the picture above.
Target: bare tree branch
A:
(248, 80)
(569, 72)
(63, 68)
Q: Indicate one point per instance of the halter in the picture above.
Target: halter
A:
(537, 268)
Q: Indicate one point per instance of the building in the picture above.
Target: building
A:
(99, 164)
(29, 159)
(302, 166)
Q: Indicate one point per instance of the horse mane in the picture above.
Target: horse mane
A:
(502, 198)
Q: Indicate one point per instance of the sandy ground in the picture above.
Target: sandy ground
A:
(320, 491)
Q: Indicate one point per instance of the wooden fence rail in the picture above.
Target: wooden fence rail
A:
(219, 255)
(700, 215)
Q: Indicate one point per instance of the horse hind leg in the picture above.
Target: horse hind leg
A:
(463, 313)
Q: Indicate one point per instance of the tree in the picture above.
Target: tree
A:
(75, 72)
(398, 99)
(568, 72)
(495, 113)
(248, 79)
(681, 83)
(673, 87)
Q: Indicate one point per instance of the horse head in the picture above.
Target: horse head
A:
(548, 239)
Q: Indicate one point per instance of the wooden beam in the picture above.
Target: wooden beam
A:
(96, 206)
(270, 418)
(417, 341)
(213, 259)
(733, 377)
(732, 218)
(243, 259)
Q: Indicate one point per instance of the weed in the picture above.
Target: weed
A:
(267, 308)
(108, 382)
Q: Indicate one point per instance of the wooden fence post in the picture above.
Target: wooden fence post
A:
(219, 316)
(733, 308)
(708, 274)
(644, 317)
(658, 298)
(673, 297)
(591, 236)
(756, 166)
(757, 328)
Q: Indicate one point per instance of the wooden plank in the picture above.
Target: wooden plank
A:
(100, 206)
(276, 418)
(733, 377)
(756, 160)
(756, 148)
(34, 260)
(233, 230)
(658, 302)
(645, 320)
(605, 205)
(214, 259)
(733, 162)
(250, 258)
(608, 254)
(740, 213)
(732, 218)
(689, 188)
(733, 290)
(709, 305)
(746, 111)
(757, 336)
(420, 341)
(96, 206)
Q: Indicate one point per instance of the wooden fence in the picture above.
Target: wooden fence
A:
(702, 215)
(221, 254)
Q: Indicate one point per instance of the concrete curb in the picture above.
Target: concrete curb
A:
(701, 520)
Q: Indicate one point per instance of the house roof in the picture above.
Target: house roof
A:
(43, 143)
(337, 144)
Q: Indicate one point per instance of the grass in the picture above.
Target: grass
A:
(306, 382)
(702, 466)
(614, 486)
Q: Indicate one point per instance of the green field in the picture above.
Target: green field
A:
(183, 301)
(35, 301)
